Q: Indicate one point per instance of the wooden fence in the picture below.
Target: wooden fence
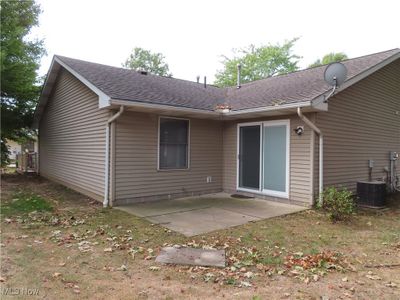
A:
(27, 162)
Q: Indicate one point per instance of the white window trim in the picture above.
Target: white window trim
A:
(261, 190)
(158, 145)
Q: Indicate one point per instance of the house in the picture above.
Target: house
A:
(16, 148)
(123, 136)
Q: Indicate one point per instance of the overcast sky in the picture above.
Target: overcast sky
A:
(194, 34)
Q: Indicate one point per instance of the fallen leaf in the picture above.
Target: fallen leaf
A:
(347, 295)
(55, 275)
(122, 268)
(245, 284)
(84, 246)
(108, 250)
(373, 277)
(62, 264)
(391, 284)
(286, 295)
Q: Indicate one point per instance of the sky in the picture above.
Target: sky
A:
(193, 35)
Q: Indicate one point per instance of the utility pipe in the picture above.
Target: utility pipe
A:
(107, 156)
(239, 68)
(321, 150)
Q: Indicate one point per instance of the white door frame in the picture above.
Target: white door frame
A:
(261, 190)
(238, 161)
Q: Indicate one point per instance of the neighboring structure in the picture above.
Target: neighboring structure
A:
(23, 156)
(17, 148)
(123, 136)
(14, 148)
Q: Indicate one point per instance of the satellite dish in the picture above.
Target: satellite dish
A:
(335, 74)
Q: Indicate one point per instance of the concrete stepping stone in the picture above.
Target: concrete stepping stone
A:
(192, 256)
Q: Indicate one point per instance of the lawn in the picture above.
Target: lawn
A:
(56, 243)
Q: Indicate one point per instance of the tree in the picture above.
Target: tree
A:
(20, 58)
(144, 60)
(329, 58)
(258, 63)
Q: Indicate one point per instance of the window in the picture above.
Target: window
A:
(174, 143)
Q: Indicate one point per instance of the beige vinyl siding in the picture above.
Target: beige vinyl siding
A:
(136, 174)
(362, 123)
(72, 137)
(300, 160)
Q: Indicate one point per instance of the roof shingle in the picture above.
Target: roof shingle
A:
(299, 86)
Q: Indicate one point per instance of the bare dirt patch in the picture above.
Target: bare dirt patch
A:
(79, 250)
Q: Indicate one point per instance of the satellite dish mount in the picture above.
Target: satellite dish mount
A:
(335, 75)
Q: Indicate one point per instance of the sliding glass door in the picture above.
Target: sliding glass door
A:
(249, 157)
(275, 159)
(263, 157)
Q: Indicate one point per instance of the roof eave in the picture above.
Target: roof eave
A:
(193, 112)
(269, 108)
(56, 63)
(164, 109)
(353, 80)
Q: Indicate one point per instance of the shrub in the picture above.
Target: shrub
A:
(339, 204)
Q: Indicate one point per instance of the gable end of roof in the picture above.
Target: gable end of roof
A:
(56, 65)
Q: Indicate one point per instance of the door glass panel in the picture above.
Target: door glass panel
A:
(274, 151)
(249, 157)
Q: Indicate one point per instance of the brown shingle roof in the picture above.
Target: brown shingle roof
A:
(300, 86)
(126, 84)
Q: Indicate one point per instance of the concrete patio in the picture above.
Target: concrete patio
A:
(197, 215)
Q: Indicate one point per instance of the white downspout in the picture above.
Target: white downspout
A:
(321, 150)
(107, 156)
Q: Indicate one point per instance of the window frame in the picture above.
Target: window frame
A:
(188, 145)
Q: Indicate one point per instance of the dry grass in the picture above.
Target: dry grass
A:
(61, 253)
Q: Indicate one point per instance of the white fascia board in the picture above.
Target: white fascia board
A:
(134, 104)
(104, 99)
(269, 108)
(137, 104)
(43, 97)
(353, 80)
(320, 104)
